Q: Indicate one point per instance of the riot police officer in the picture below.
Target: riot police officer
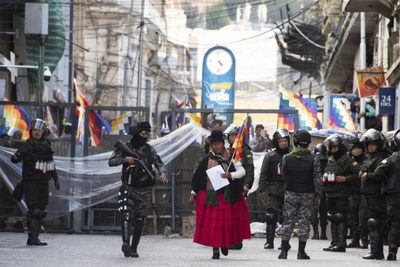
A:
(320, 153)
(247, 163)
(388, 171)
(37, 169)
(272, 183)
(357, 206)
(339, 173)
(137, 180)
(374, 143)
(303, 175)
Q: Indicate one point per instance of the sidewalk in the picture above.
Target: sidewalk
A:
(104, 250)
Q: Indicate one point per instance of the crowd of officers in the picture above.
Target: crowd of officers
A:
(360, 191)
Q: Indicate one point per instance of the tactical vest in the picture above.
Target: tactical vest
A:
(134, 174)
(333, 169)
(299, 173)
(38, 162)
(370, 187)
(392, 184)
(274, 166)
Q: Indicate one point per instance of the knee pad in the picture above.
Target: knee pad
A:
(271, 217)
(38, 214)
(138, 221)
(372, 224)
(338, 217)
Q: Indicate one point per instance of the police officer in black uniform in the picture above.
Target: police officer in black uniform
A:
(371, 187)
(135, 191)
(272, 184)
(38, 168)
(388, 171)
(357, 206)
(247, 163)
(320, 153)
(340, 172)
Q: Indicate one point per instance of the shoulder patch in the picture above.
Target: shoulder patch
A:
(249, 155)
(384, 161)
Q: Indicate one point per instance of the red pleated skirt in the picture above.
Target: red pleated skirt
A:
(222, 225)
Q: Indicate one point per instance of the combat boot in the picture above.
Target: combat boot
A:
(376, 249)
(270, 236)
(126, 235)
(285, 248)
(301, 254)
(341, 238)
(392, 252)
(215, 255)
(316, 234)
(33, 236)
(334, 237)
(137, 233)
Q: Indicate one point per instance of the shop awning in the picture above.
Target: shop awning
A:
(383, 7)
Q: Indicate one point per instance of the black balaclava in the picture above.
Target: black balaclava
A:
(137, 141)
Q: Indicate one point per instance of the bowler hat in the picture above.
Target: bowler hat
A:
(216, 136)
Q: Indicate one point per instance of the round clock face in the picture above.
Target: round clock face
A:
(219, 61)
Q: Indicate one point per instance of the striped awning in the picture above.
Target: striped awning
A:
(55, 43)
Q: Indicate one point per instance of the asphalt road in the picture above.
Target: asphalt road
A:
(104, 250)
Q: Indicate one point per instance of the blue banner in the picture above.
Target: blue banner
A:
(218, 82)
(387, 100)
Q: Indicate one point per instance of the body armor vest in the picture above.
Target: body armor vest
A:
(38, 163)
(392, 184)
(370, 187)
(333, 169)
(299, 173)
(274, 166)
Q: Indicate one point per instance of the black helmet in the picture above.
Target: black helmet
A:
(333, 140)
(320, 149)
(356, 143)
(301, 138)
(37, 124)
(373, 136)
(396, 140)
(280, 133)
(234, 131)
(140, 126)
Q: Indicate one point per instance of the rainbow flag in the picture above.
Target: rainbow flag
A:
(241, 138)
(120, 124)
(48, 116)
(16, 118)
(341, 117)
(97, 126)
(307, 108)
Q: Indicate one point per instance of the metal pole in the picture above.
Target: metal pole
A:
(173, 211)
(86, 133)
(41, 75)
(139, 82)
(71, 76)
(363, 63)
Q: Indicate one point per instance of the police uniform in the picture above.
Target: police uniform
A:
(135, 191)
(272, 182)
(320, 152)
(389, 172)
(37, 169)
(337, 193)
(371, 190)
(303, 176)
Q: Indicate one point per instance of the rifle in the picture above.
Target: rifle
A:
(122, 146)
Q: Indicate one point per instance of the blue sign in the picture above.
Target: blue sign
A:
(387, 100)
(218, 83)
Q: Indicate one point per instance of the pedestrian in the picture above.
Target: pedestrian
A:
(371, 187)
(340, 172)
(303, 190)
(357, 205)
(320, 153)
(272, 184)
(248, 165)
(388, 171)
(371, 120)
(261, 142)
(222, 217)
(38, 168)
(137, 181)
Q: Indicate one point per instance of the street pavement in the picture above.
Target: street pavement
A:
(104, 250)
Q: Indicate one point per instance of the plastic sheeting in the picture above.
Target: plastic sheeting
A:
(87, 181)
